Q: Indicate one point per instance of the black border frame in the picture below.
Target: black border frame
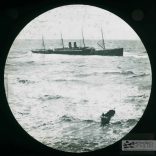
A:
(15, 15)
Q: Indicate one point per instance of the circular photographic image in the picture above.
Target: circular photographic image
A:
(77, 78)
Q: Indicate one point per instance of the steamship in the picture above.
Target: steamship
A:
(75, 50)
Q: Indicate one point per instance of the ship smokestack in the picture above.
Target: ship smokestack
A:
(75, 46)
(70, 45)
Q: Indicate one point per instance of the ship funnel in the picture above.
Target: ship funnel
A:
(70, 45)
(75, 46)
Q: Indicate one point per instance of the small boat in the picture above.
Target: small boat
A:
(75, 50)
(105, 118)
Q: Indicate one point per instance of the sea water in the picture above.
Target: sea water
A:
(58, 99)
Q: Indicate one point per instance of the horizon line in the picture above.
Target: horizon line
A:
(72, 39)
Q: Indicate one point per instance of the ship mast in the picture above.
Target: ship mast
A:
(83, 39)
(62, 41)
(43, 44)
(103, 42)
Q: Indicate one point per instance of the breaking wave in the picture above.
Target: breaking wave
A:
(127, 122)
(70, 80)
(50, 97)
(68, 118)
(23, 81)
(107, 73)
(140, 75)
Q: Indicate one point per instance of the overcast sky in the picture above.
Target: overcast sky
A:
(71, 19)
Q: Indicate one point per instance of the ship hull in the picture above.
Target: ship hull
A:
(106, 52)
(40, 51)
(110, 52)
